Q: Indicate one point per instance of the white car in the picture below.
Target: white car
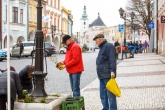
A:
(62, 50)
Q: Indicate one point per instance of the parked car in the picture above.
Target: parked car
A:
(95, 45)
(3, 54)
(90, 47)
(29, 49)
(62, 50)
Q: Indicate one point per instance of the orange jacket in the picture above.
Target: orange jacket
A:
(73, 59)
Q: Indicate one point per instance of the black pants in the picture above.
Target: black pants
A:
(116, 55)
(3, 100)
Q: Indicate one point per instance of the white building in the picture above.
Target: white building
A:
(112, 34)
(18, 21)
(53, 11)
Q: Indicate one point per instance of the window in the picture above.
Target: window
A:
(35, 19)
(84, 23)
(54, 3)
(15, 15)
(58, 24)
(51, 21)
(55, 21)
(21, 16)
(58, 4)
(6, 13)
(30, 14)
(50, 2)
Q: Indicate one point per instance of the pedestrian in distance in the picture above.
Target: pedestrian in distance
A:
(117, 46)
(26, 78)
(145, 46)
(106, 69)
(136, 47)
(131, 47)
(21, 49)
(140, 47)
(16, 88)
(124, 51)
(73, 63)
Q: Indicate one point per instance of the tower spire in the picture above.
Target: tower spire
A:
(84, 16)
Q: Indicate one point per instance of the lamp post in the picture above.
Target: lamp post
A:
(53, 30)
(123, 16)
(133, 25)
(38, 75)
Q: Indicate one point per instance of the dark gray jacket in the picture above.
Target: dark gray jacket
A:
(106, 60)
(25, 81)
(15, 82)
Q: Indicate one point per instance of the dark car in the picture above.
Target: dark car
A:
(3, 55)
(50, 48)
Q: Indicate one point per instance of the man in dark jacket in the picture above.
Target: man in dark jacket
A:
(16, 87)
(116, 44)
(21, 49)
(106, 69)
(26, 78)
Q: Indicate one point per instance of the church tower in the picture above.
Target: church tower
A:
(84, 20)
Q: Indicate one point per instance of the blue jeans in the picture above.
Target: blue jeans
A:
(108, 99)
(75, 83)
(124, 52)
(132, 53)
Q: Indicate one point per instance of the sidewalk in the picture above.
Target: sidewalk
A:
(142, 83)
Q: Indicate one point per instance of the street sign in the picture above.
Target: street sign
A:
(150, 25)
(44, 31)
(45, 18)
(121, 27)
(162, 19)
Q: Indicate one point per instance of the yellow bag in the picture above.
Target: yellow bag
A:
(113, 87)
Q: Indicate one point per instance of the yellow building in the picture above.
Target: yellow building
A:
(65, 14)
(33, 17)
(106, 32)
(119, 36)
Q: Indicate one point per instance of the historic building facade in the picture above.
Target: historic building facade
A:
(18, 22)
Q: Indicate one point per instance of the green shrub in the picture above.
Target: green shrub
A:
(43, 100)
(28, 99)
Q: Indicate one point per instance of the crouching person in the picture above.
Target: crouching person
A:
(16, 88)
(26, 78)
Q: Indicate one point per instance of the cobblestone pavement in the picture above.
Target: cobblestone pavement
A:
(142, 84)
(58, 81)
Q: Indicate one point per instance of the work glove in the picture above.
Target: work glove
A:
(59, 64)
(112, 75)
(61, 67)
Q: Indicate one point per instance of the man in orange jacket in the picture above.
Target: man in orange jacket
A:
(73, 63)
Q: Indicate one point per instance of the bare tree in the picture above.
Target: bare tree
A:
(143, 13)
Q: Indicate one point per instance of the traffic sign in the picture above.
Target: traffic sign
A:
(162, 19)
(44, 31)
(150, 25)
(121, 27)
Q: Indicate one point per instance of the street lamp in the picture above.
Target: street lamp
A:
(133, 25)
(38, 75)
(53, 30)
(123, 16)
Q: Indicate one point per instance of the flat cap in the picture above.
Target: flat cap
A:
(98, 36)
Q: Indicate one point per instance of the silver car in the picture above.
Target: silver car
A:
(29, 49)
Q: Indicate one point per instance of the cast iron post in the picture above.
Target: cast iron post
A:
(38, 75)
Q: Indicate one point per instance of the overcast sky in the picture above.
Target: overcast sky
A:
(108, 10)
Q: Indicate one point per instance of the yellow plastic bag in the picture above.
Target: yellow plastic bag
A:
(113, 87)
